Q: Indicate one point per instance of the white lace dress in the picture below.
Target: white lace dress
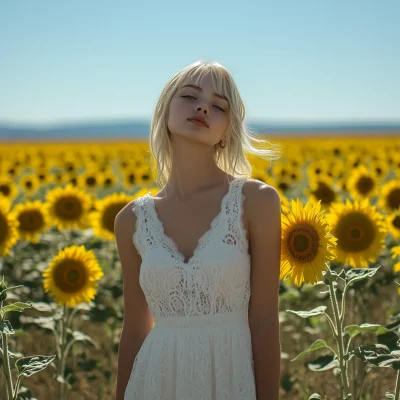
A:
(200, 346)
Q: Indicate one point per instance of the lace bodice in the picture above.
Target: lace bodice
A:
(216, 279)
(200, 346)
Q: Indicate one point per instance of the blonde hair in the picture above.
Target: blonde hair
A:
(239, 137)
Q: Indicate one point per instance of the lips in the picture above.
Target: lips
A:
(199, 119)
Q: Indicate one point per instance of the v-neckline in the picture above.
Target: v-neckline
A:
(202, 238)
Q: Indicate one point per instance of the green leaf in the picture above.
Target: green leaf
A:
(28, 366)
(17, 306)
(358, 274)
(323, 363)
(80, 336)
(41, 306)
(305, 314)
(377, 355)
(44, 322)
(354, 330)
(318, 344)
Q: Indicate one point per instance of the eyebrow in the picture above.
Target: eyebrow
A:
(200, 89)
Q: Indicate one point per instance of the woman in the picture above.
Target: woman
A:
(201, 278)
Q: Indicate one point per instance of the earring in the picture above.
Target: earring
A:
(220, 144)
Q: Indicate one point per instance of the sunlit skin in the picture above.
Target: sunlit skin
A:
(193, 164)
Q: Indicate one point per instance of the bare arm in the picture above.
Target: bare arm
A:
(265, 241)
(138, 320)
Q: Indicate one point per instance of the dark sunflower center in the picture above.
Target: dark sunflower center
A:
(70, 276)
(28, 184)
(69, 208)
(4, 230)
(393, 199)
(109, 215)
(91, 181)
(5, 189)
(354, 232)
(131, 178)
(73, 276)
(30, 221)
(396, 222)
(324, 193)
(283, 186)
(364, 185)
(303, 241)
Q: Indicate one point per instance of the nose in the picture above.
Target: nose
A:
(202, 108)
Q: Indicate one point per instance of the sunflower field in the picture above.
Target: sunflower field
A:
(61, 303)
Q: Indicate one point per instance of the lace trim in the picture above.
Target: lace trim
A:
(150, 228)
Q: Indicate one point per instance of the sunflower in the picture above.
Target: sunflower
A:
(390, 196)
(322, 188)
(396, 267)
(60, 177)
(306, 242)
(393, 222)
(10, 169)
(90, 180)
(106, 211)
(360, 231)
(71, 276)
(317, 168)
(109, 179)
(144, 175)
(380, 168)
(8, 188)
(44, 175)
(68, 207)
(130, 177)
(29, 183)
(8, 227)
(362, 184)
(33, 220)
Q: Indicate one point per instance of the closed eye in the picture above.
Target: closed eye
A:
(214, 105)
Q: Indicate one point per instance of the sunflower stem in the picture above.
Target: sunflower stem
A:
(19, 379)
(61, 365)
(343, 304)
(339, 339)
(397, 390)
(331, 324)
(6, 367)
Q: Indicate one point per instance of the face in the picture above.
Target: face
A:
(189, 102)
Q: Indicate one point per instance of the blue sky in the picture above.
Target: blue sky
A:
(308, 61)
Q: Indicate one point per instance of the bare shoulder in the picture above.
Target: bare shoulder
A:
(260, 196)
(125, 220)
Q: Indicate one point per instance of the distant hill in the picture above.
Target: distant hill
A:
(137, 129)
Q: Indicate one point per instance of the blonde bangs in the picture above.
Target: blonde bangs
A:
(239, 137)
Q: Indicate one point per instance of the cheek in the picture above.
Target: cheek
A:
(176, 106)
(223, 120)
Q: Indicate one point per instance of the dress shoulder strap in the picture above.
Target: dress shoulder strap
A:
(140, 237)
(234, 229)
